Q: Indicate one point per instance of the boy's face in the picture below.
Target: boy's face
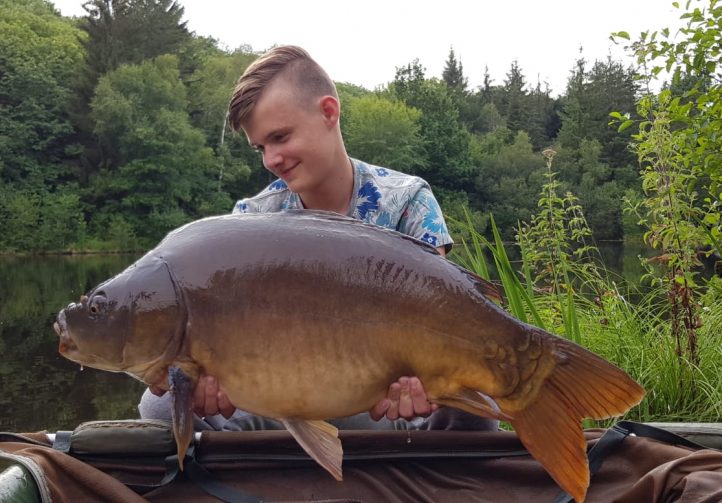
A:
(296, 139)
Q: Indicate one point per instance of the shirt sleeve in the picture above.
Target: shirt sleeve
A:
(424, 220)
(241, 206)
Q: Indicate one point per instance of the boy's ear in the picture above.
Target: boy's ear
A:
(331, 109)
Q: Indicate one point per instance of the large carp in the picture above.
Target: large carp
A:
(305, 316)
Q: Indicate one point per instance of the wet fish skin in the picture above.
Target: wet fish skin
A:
(307, 316)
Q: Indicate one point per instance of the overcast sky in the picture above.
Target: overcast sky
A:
(363, 42)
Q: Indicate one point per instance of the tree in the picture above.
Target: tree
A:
(130, 31)
(509, 181)
(542, 120)
(121, 32)
(159, 172)
(384, 132)
(591, 96)
(445, 140)
(40, 53)
(574, 114)
(209, 90)
(598, 192)
(680, 149)
(513, 107)
(453, 75)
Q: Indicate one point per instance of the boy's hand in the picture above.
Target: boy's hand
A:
(210, 400)
(406, 399)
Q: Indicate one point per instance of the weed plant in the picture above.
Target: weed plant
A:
(592, 307)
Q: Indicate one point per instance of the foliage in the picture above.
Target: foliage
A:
(446, 142)
(596, 184)
(40, 53)
(636, 336)
(670, 214)
(591, 96)
(159, 172)
(557, 257)
(383, 132)
(509, 180)
(480, 146)
(680, 150)
(129, 32)
(453, 76)
(692, 101)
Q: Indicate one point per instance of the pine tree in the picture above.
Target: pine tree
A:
(513, 108)
(453, 75)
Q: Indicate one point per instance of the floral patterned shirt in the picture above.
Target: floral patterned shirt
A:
(381, 196)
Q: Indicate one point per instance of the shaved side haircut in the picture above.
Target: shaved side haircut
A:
(287, 62)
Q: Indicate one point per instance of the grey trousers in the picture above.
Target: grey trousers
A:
(446, 418)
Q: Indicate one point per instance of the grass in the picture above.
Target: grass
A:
(635, 335)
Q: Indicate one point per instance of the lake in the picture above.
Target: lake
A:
(41, 390)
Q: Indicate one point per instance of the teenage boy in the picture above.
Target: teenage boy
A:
(289, 110)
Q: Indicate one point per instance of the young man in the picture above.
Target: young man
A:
(289, 109)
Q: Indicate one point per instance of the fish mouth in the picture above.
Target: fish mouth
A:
(66, 343)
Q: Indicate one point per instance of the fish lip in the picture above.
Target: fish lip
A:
(60, 326)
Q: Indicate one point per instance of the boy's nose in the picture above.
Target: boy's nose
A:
(272, 158)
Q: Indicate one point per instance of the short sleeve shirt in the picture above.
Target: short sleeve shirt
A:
(381, 196)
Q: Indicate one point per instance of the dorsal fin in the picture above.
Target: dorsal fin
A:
(486, 287)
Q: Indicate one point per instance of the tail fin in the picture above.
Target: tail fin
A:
(581, 385)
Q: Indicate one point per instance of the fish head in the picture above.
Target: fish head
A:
(132, 322)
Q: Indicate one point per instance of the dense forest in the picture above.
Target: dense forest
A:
(113, 131)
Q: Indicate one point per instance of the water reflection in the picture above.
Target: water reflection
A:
(39, 389)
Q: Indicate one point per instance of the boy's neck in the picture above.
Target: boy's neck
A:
(335, 193)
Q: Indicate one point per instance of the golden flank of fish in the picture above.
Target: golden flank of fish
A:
(308, 315)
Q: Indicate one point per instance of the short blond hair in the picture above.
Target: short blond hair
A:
(287, 61)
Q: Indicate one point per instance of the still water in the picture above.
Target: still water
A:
(41, 390)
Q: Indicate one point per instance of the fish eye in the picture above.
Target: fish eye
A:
(97, 302)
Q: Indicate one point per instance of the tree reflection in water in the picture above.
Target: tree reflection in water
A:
(39, 389)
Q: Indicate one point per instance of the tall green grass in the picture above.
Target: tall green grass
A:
(599, 315)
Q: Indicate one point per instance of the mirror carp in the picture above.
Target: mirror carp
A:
(306, 315)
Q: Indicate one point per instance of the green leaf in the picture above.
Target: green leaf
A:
(624, 125)
(622, 34)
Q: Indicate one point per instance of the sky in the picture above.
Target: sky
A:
(364, 42)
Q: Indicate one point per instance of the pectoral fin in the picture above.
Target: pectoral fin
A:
(320, 440)
(474, 402)
(181, 389)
